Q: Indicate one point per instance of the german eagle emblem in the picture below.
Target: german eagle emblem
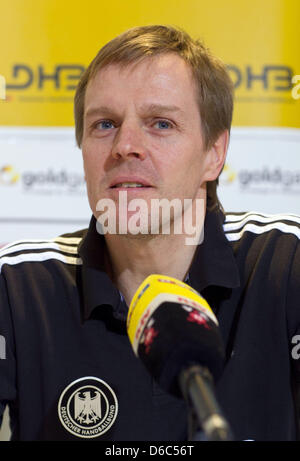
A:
(87, 407)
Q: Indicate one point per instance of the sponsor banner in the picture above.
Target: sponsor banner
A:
(41, 64)
(43, 192)
(262, 171)
(42, 186)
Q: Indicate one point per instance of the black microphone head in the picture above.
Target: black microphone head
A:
(172, 327)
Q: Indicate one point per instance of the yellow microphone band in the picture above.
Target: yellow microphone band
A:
(149, 296)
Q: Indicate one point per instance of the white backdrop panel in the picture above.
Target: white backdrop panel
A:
(42, 187)
(262, 171)
(43, 193)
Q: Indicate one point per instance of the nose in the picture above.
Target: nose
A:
(129, 142)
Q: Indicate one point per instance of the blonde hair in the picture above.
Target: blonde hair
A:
(214, 86)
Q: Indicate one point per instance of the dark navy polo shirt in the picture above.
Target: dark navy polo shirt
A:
(69, 371)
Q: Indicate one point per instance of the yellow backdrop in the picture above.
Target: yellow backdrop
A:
(45, 44)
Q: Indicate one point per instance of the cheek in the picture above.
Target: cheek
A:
(186, 161)
(88, 164)
(92, 172)
(91, 158)
(192, 170)
(95, 153)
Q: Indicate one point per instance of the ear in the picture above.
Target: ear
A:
(216, 156)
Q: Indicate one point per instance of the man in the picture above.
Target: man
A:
(153, 114)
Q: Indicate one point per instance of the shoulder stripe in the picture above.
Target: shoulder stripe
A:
(250, 227)
(260, 223)
(65, 240)
(68, 240)
(36, 257)
(260, 217)
(37, 246)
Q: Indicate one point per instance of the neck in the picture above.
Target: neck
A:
(133, 259)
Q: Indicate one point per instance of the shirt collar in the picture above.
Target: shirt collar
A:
(213, 264)
(97, 287)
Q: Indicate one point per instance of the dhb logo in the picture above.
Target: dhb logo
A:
(24, 76)
(270, 77)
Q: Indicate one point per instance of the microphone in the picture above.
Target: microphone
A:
(174, 332)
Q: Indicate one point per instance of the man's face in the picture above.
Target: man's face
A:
(142, 126)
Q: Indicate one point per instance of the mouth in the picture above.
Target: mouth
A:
(129, 185)
(130, 182)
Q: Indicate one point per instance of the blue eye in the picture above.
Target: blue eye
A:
(163, 124)
(105, 125)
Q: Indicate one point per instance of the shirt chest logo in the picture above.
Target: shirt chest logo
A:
(87, 407)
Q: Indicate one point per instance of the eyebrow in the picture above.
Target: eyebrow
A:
(148, 108)
(160, 107)
(97, 110)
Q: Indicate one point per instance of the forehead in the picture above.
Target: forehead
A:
(165, 77)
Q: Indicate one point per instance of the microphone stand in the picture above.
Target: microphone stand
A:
(196, 384)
